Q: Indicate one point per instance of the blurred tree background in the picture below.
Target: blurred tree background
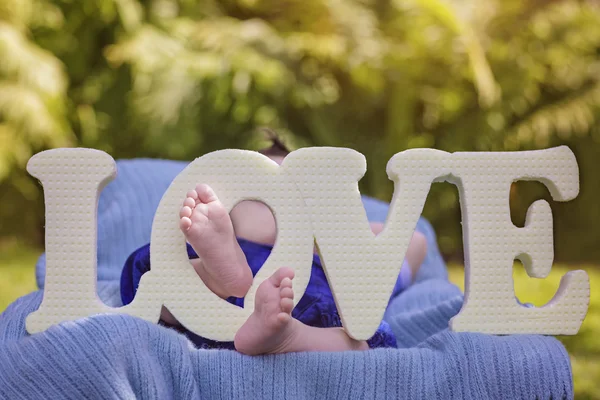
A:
(179, 78)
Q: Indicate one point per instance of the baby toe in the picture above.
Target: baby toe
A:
(286, 283)
(185, 223)
(185, 212)
(286, 305)
(283, 317)
(205, 193)
(287, 292)
(189, 202)
(192, 194)
(281, 274)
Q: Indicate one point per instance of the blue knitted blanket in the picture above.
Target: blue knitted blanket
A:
(114, 356)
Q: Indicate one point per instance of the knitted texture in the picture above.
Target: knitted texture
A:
(115, 356)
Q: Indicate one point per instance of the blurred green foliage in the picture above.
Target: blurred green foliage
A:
(179, 78)
(17, 272)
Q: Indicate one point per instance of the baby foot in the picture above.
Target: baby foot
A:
(270, 329)
(208, 229)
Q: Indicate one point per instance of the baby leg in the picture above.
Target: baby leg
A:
(416, 252)
(272, 330)
(417, 248)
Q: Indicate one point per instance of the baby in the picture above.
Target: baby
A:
(227, 250)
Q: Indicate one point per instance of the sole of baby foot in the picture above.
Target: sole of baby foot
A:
(270, 329)
(207, 227)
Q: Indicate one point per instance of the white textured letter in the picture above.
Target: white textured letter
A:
(492, 242)
(361, 268)
(235, 175)
(72, 180)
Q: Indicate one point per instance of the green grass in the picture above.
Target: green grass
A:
(17, 278)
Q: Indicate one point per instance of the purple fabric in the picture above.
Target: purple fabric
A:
(316, 308)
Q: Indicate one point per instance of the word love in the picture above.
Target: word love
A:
(314, 196)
